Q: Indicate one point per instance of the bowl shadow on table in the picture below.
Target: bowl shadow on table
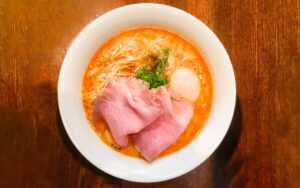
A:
(226, 166)
(220, 175)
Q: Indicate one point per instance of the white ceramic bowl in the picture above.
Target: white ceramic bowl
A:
(70, 83)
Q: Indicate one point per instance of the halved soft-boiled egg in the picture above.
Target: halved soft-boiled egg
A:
(185, 83)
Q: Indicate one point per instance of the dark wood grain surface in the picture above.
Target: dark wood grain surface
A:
(261, 149)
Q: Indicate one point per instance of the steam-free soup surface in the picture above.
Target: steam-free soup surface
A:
(124, 54)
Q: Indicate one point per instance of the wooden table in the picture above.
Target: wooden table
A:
(261, 149)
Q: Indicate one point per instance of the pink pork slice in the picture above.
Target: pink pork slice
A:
(165, 130)
(127, 105)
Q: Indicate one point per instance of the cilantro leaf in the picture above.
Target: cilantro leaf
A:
(155, 76)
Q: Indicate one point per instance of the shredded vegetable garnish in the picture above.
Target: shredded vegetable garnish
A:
(155, 75)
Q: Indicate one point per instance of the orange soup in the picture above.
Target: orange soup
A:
(123, 54)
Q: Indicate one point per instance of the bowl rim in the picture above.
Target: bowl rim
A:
(107, 170)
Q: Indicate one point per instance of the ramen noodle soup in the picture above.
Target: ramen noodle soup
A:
(137, 66)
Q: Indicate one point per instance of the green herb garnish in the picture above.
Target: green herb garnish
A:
(155, 76)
